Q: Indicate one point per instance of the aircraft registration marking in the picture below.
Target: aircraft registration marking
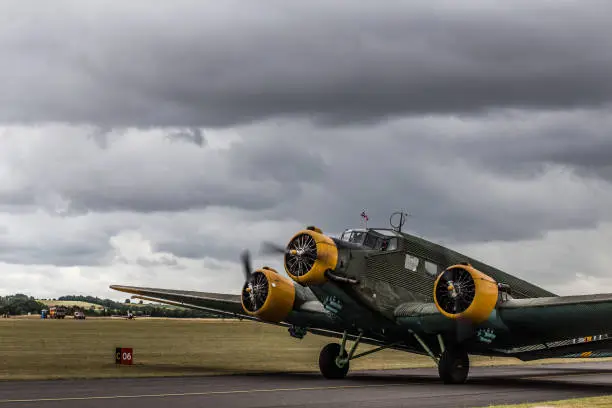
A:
(194, 394)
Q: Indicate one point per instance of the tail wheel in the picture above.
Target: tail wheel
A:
(454, 366)
(327, 362)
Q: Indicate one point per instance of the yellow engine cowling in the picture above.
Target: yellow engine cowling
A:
(463, 292)
(268, 295)
(309, 254)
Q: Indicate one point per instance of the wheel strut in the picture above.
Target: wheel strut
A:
(422, 343)
(453, 362)
(334, 358)
(345, 357)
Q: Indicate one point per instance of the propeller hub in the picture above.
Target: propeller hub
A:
(455, 290)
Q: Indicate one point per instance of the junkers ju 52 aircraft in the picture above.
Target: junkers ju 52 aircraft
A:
(390, 289)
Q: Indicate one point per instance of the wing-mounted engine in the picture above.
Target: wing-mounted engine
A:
(463, 292)
(309, 254)
(268, 295)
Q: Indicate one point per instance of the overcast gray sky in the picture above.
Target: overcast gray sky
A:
(149, 142)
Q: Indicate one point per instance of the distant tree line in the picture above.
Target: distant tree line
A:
(20, 304)
(112, 307)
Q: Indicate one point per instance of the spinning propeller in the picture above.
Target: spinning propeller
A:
(246, 263)
(255, 288)
(270, 248)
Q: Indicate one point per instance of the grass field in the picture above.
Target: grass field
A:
(33, 348)
(594, 402)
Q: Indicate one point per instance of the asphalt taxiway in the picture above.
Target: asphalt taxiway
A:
(410, 388)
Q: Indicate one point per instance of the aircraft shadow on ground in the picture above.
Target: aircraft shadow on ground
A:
(523, 380)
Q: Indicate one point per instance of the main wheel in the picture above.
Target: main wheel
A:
(327, 362)
(454, 366)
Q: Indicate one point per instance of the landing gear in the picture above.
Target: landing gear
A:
(334, 359)
(328, 362)
(453, 364)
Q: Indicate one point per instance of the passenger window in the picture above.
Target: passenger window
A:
(411, 263)
(392, 246)
(431, 268)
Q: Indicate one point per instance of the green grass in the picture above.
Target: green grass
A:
(33, 348)
(592, 402)
(37, 349)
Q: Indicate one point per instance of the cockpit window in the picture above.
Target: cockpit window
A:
(370, 240)
(353, 236)
(357, 237)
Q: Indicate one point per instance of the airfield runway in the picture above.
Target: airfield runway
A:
(411, 387)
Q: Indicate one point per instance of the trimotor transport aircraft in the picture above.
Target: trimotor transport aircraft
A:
(384, 287)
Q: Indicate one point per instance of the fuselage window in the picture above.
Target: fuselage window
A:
(431, 268)
(411, 263)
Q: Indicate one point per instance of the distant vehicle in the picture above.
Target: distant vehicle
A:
(57, 312)
(79, 315)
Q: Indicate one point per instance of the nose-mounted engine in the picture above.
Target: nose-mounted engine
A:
(309, 254)
(463, 292)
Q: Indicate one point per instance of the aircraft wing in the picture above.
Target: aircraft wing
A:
(212, 302)
(231, 306)
(528, 320)
(558, 317)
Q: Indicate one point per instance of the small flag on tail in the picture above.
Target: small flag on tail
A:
(364, 216)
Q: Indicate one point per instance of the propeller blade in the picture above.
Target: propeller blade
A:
(246, 263)
(272, 248)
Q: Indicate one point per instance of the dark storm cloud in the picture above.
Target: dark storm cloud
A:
(69, 175)
(215, 64)
(283, 159)
(167, 261)
(100, 136)
(506, 176)
(84, 249)
(578, 141)
(194, 136)
(447, 173)
(91, 254)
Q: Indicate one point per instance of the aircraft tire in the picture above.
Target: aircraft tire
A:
(327, 362)
(454, 366)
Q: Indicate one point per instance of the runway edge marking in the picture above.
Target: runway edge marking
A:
(193, 394)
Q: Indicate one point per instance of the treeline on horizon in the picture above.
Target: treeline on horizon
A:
(20, 304)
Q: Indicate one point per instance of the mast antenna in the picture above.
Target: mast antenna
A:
(396, 223)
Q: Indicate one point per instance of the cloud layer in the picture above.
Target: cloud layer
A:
(212, 64)
(149, 144)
